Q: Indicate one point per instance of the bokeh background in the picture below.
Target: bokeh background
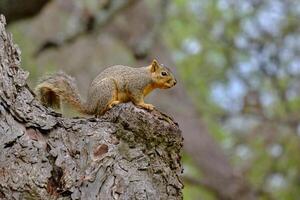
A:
(238, 67)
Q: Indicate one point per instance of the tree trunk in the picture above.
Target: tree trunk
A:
(129, 153)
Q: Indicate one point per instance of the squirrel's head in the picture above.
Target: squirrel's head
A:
(162, 76)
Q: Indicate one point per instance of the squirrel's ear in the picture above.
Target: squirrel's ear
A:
(154, 66)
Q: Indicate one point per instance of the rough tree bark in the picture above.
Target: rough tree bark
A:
(129, 153)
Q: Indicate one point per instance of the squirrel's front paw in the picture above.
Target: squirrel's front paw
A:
(147, 106)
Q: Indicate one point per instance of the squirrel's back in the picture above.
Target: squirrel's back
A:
(123, 74)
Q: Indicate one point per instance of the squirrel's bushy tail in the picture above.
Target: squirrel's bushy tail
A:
(54, 89)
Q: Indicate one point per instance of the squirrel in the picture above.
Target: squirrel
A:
(114, 85)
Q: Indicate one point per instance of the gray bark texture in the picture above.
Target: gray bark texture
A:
(129, 153)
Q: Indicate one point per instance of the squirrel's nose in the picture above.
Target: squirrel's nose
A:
(175, 82)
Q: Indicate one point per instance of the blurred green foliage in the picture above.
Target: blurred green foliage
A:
(240, 62)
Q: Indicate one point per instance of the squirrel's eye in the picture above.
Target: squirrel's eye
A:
(164, 73)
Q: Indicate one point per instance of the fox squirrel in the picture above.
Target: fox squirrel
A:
(114, 85)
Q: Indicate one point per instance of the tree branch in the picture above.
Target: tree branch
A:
(94, 23)
(129, 153)
(18, 9)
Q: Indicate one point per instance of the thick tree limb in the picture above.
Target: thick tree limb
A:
(93, 23)
(128, 153)
(18, 9)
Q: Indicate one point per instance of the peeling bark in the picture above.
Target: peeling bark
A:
(129, 153)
